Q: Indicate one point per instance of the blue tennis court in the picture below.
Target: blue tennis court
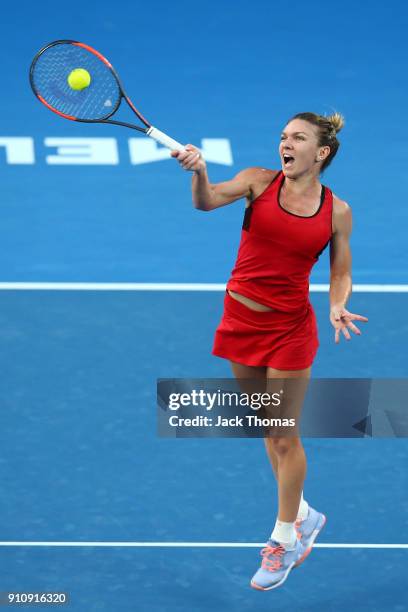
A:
(93, 502)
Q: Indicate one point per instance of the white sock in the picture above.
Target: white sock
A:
(303, 509)
(285, 534)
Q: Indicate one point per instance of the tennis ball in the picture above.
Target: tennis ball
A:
(79, 79)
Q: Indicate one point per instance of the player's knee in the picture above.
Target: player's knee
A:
(281, 446)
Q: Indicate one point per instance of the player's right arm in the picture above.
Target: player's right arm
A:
(207, 196)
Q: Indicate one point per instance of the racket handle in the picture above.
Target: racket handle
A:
(163, 139)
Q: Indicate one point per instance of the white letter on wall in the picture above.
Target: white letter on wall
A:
(18, 150)
(83, 151)
(145, 150)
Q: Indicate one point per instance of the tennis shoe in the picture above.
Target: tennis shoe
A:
(276, 564)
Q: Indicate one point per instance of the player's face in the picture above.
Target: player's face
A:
(299, 148)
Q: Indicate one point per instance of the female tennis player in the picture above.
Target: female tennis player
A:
(268, 328)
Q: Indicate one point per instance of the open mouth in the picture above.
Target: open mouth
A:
(288, 160)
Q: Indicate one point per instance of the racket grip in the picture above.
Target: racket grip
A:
(163, 139)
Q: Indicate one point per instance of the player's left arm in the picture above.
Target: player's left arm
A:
(340, 272)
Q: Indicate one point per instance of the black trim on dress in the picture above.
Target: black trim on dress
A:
(322, 196)
(248, 211)
(321, 251)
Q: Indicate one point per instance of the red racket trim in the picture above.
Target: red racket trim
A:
(88, 48)
(134, 109)
(54, 110)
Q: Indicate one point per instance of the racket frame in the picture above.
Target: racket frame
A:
(149, 130)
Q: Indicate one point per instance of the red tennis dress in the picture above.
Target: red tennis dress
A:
(276, 255)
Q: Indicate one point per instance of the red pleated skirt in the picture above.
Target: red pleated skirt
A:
(285, 341)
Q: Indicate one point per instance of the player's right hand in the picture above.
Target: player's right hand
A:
(191, 159)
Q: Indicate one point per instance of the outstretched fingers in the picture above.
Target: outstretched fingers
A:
(355, 317)
(353, 328)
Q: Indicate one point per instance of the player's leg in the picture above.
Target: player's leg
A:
(286, 453)
(251, 379)
(243, 371)
(309, 521)
(284, 550)
(269, 442)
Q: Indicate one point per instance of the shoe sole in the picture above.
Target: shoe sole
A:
(307, 552)
(274, 586)
(293, 565)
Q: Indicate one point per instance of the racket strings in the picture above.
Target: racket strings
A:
(50, 79)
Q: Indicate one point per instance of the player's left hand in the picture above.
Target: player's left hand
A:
(341, 319)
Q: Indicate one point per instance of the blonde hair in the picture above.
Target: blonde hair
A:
(328, 127)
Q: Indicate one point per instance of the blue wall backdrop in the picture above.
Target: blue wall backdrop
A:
(228, 70)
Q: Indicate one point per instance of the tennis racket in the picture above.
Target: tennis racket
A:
(96, 102)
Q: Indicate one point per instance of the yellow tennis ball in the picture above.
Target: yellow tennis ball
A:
(79, 79)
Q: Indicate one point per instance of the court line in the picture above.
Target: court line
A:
(189, 545)
(57, 286)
